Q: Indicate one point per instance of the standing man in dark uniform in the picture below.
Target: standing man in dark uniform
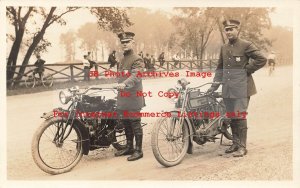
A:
(131, 63)
(235, 71)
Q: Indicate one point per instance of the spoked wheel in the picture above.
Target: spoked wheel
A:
(169, 141)
(30, 81)
(56, 146)
(47, 80)
(120, 140)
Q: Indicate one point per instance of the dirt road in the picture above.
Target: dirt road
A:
(270, 141)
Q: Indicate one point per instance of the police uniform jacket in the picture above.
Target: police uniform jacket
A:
(131, 63)
(238, 60)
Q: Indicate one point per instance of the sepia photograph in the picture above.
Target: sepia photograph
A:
(137, 91)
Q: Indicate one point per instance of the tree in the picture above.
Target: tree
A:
(48, 18)
(253, 22)
(153, 30)
(14, 15)
(109, 18)
(194, 26)
(69, 41)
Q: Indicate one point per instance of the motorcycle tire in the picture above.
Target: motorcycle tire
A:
(41, 152)
(157, 145)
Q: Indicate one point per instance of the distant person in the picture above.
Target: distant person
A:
(176, 60)
(152, 63)
(161, 59)
(86, 68)
(271, 59)
(92, 63)
(39, 66)
(112, 59)
(147, 61)
(141, 54)
(89, 58)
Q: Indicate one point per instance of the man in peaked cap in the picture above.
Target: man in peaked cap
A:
(235, 71)
(131, 63)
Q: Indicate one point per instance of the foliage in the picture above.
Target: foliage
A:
(40, 18)
(69, 41)
(194, 26)
(153, 30)
(253, 22)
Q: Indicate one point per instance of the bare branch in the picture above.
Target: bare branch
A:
(71, 9)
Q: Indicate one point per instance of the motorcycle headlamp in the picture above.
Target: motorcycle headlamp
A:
(64, 97)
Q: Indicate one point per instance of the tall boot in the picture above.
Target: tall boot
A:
(138, 153)
(138, 133)
(243, 139)
(129, 146)
(234, 147)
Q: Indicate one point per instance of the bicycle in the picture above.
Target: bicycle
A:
(32, 80)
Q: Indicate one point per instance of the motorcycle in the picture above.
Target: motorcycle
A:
(198, 116)
(90, 122)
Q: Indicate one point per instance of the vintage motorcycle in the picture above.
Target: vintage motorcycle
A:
(198, 116)
(90, 122)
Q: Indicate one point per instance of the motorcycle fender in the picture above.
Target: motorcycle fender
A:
(48, 115)
(85, 137)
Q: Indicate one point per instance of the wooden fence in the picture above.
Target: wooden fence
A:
(74, 72)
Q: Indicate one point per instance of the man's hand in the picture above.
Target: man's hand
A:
(121, 86)
(213, 88)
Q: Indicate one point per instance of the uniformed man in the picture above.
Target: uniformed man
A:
(131, 63)
(235, 71)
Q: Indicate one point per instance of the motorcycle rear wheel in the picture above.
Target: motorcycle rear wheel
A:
(169, 141)
(51, 155)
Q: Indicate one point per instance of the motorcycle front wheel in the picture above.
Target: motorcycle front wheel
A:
(56, 146)
(169, 141)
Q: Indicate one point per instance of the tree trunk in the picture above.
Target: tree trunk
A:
(29, 52)
(19, 31)
(13, 55)
(35, 42)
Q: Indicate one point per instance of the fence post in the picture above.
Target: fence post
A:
(72, 73)
(210, 67)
